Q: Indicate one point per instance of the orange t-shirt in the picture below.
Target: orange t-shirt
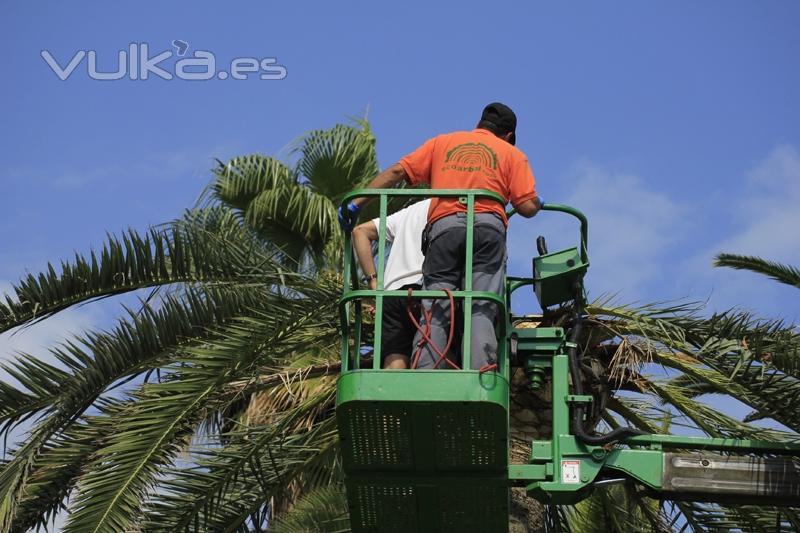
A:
(471, 160)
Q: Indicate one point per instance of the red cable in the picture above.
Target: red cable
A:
(425, 333)
(488, 367)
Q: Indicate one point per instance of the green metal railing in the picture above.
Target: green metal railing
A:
(352, 335)
(514, 283)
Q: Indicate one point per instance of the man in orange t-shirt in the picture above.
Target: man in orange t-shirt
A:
(484, 158)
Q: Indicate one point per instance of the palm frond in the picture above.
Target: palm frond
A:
(337, 160)
(181, 253)
(147, 339)
(239, 181)
(323, 510)
(714, 518)
(771, 342)
(637, 413)
(754, 396)
(779, 272)
(161, 417)
(771, 392)
(756, 361)
(55, 470)
(296, 220)
(258, 466)
(617, 509)
(713, 422)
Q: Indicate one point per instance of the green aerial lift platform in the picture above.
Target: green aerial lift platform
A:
(428, 450)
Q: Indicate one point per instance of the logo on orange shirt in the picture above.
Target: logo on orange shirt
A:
(471, 157)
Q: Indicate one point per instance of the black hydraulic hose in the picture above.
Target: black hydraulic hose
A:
(577, 384)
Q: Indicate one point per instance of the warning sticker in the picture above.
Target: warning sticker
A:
(570, 471)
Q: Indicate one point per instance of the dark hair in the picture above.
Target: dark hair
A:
(492, 127)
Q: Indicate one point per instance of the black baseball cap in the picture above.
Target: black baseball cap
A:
(501, 116)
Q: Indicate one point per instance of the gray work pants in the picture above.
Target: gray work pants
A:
(444, 269)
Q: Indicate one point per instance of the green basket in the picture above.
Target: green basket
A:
(425, 450)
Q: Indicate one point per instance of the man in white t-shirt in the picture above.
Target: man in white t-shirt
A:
(403, 270)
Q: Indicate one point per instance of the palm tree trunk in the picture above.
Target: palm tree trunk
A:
(530, 419)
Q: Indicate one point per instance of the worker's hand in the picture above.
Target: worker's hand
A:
(373, 284)
(347, 217)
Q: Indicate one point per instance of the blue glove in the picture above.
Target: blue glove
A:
(347, 218)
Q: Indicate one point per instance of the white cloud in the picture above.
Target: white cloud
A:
(762, 219)
(645, 245)
(768, 214)
(633, 227)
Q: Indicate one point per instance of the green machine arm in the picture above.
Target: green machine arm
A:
(564, 470)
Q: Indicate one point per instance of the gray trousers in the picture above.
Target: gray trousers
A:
(444, 269)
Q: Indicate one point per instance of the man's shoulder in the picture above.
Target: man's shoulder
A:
(517, 153)
(414, 210)
(452, 135)
(409, 218)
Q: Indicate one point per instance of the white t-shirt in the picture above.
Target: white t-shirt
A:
(404, 232)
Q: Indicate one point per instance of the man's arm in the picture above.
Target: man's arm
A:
(363, 235)
(388, 178)
(529, 208)
(385, 180)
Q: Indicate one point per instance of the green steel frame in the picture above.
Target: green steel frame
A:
(388, 419)
(352, 335)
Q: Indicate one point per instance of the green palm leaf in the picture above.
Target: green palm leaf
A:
(239, 181)
(154, 425)
(54, 472)
(147, 339)
(338, 160)
(257, 466)
(323, 510)
(295, 220)
(180, 253)
(783, 273)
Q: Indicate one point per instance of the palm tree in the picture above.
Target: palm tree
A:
(211, 405)
(222, 381)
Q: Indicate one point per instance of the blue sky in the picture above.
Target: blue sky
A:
(673, 125)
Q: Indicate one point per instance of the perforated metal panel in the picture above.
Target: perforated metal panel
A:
(470, 436)
(473, 508)
(425, 452)
(452, 506)
(383, 508)
(377, 435)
